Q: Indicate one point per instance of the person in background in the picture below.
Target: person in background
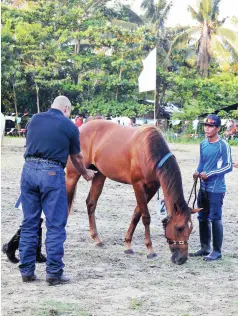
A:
(132, 122)
(79, 120)
(215, 161)
(11, 247)
(51, 138)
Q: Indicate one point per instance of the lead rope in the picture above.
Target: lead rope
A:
(194, 188)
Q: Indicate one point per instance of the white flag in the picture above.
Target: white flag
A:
(147, 78)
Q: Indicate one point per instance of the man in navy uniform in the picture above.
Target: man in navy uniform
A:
(51, 138)
(215, 161)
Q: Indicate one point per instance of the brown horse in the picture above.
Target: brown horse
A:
(141, 157)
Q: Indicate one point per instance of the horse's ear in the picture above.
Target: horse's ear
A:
(195, 210)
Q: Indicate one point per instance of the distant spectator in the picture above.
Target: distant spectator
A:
(79, 120)
(132, 122)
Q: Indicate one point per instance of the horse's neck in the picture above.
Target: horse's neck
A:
(171, 183)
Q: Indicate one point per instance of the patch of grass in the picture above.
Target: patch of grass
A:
(56, 308)
(135, 304)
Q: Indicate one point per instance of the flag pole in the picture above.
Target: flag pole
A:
(154, 105)
(155, 92)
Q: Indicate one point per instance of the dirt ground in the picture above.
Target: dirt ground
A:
(105, 281)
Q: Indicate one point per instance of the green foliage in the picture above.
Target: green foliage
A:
(73, 48)
(233, 142)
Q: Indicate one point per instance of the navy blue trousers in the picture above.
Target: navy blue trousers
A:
(213, 211)
(43, 188)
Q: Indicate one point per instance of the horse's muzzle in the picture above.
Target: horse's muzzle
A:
(178, 257)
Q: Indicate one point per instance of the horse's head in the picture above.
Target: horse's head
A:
(178, 227)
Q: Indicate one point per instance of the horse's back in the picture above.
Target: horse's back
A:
(111, 147)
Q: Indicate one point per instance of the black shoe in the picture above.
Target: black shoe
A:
(10, 254)
(10, 248)
(199, 253)
(57, 280)
(29, 278)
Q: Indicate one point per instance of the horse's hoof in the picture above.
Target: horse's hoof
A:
(99, 244)
(151, 255)
(129, 252)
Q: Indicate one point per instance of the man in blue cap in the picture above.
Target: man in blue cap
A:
(215, 161)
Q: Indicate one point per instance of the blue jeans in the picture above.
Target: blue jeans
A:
(43, 188)
(213, 211)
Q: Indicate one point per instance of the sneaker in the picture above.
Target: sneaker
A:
(57, 280)
(29, 278)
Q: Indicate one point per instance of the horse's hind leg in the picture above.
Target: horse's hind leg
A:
(143, 195)
(72, 177)
(95, 192)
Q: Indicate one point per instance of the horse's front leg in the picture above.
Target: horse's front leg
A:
(93, 196)
(143, 195)
(135, 219)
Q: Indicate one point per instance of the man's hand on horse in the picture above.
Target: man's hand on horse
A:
(89, 175)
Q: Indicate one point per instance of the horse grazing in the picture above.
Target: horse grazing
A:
(141, 157)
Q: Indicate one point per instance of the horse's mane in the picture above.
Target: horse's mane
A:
(153, 140)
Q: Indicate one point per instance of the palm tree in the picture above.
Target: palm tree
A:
(156, 13)
(210, 37)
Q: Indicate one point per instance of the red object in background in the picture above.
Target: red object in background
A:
(79, 121)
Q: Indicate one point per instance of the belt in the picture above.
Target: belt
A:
(36, 159)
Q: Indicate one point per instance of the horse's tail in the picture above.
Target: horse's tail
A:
(72, 178)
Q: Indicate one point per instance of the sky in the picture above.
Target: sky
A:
(180, 16)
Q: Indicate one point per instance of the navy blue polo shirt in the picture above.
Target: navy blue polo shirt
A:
(51, 135)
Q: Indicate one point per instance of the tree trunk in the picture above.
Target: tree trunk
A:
(76, 47)
(37, 99)
(157, 105)
(15, 99)
(203, 54)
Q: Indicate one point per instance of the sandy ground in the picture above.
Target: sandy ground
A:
(105, 281)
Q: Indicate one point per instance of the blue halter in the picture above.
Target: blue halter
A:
(162, 161)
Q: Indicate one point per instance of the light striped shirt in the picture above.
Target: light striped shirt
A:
(215, 161)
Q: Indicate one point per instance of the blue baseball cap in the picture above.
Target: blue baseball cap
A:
(212, 120)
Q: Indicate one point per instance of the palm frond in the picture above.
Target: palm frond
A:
(195, 15)
(229, 35)
(215, 10)
(222, 52)
(184, 37)
(149, 7)
(234, 20)
(133, 17)
(205, 8)
(231, 49)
